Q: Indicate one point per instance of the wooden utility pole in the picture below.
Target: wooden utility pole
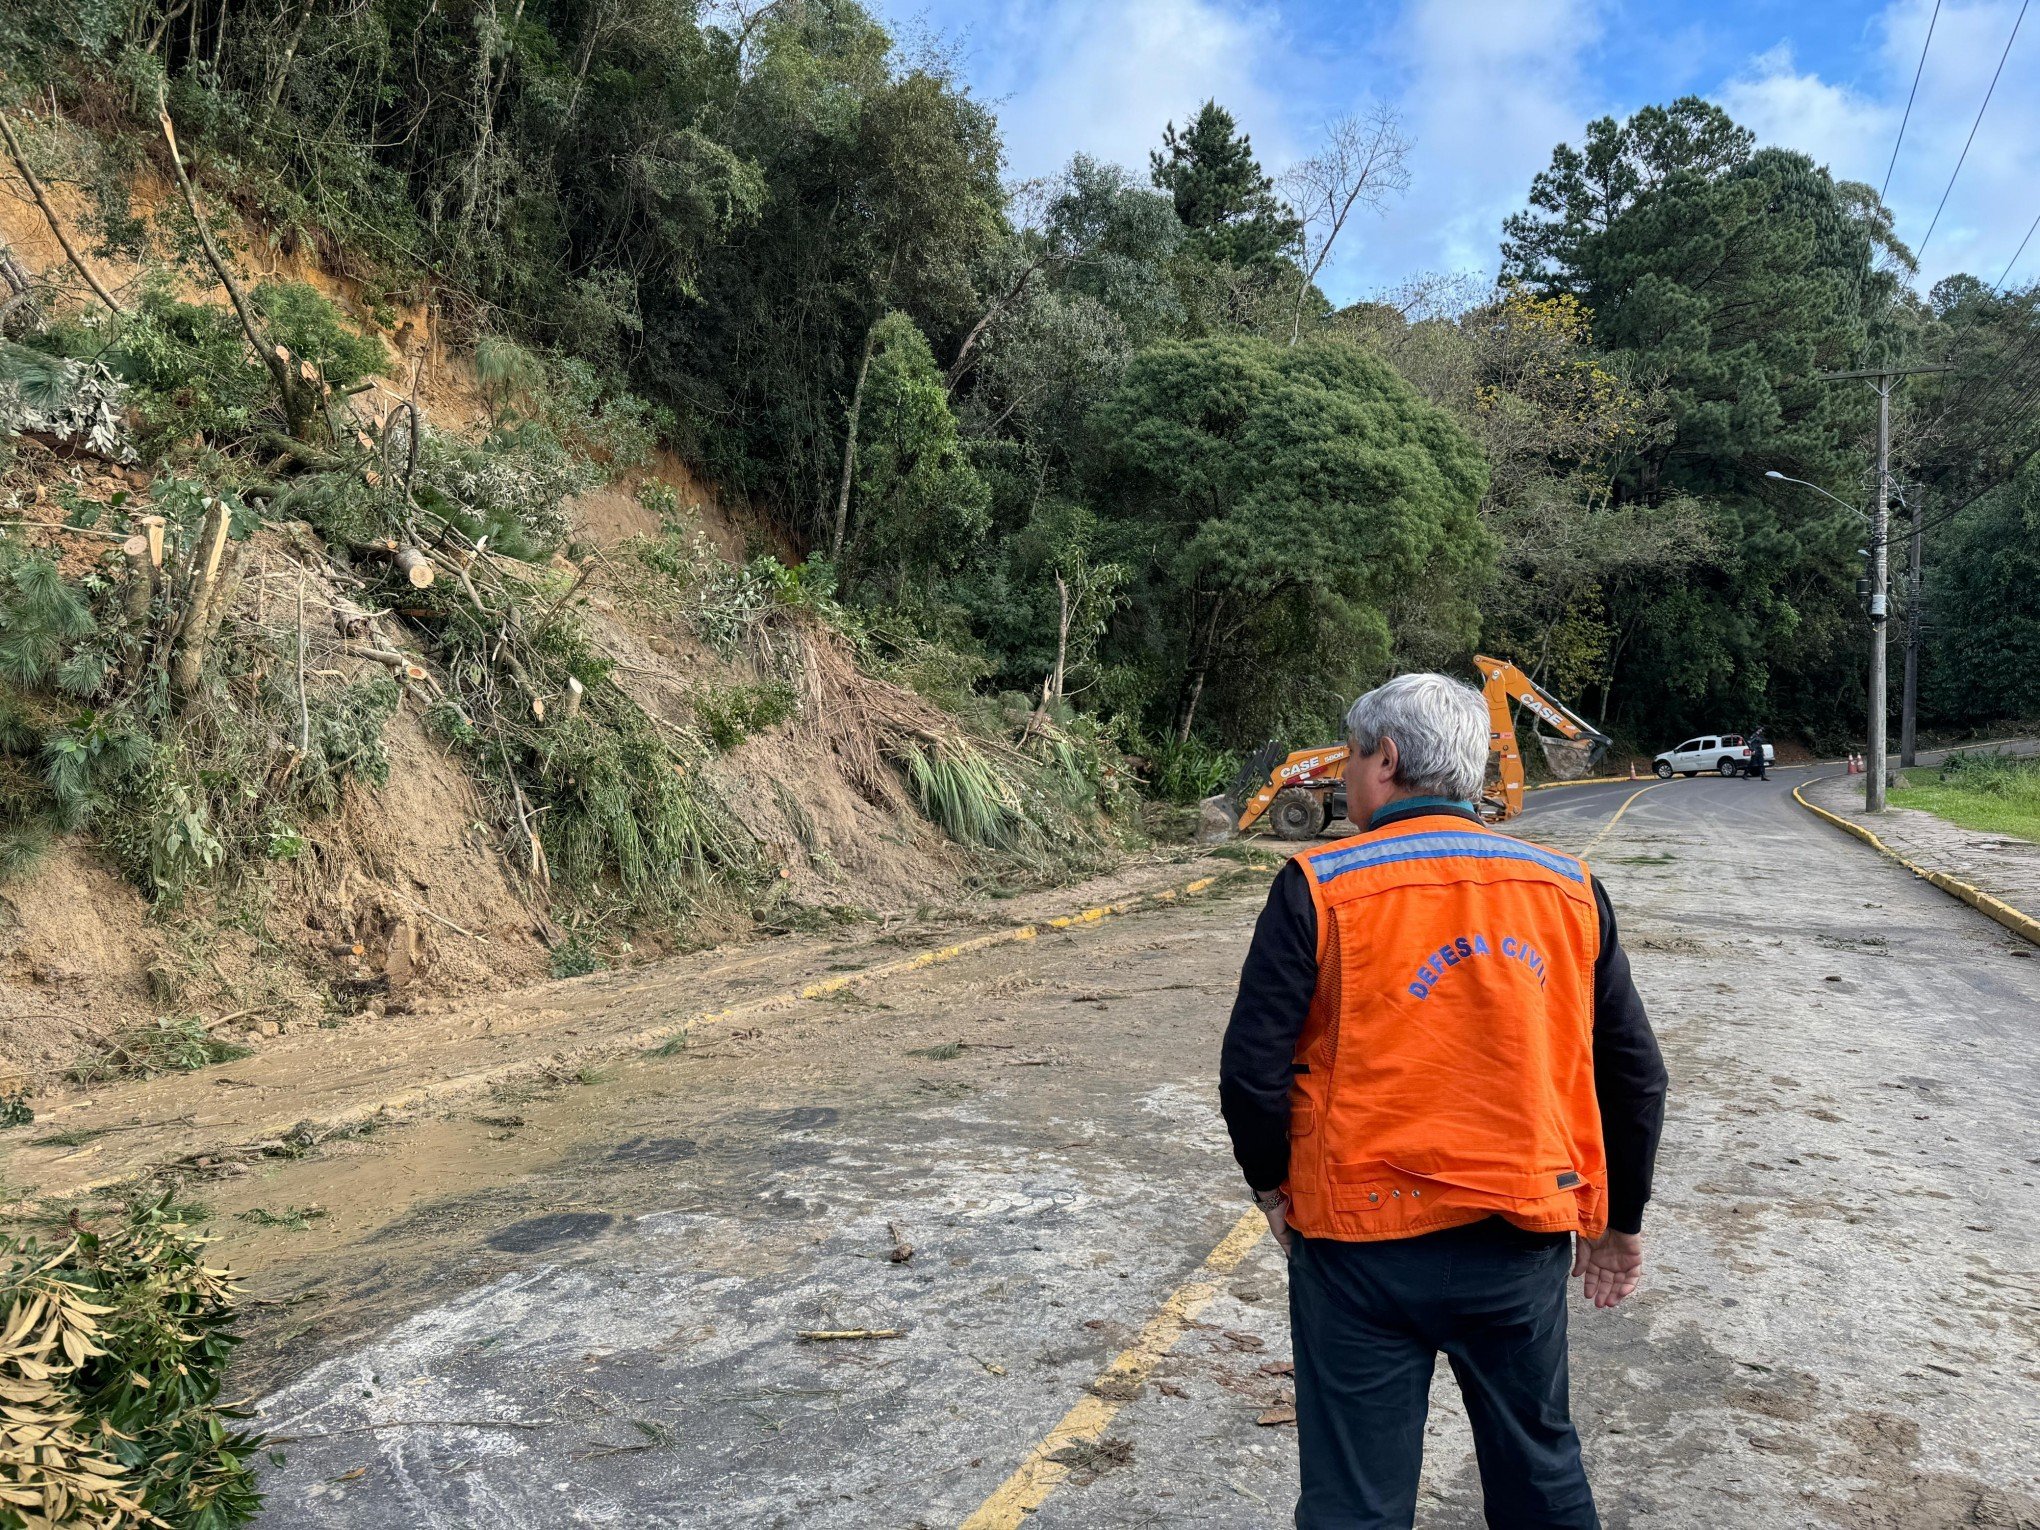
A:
(1876, 754)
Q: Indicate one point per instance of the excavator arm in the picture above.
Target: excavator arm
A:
(1502, 683)
(1299, 792)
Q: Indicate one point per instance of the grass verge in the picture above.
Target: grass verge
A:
(1992, 794)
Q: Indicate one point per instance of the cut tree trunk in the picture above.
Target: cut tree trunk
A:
(141, 589)
(187, 662)
(850, 450)
(415, 567)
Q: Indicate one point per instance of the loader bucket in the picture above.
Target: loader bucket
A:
(1217, 820)
(1569, 761)
(1218, 817)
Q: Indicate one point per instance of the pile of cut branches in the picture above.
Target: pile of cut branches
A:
(113, 1348)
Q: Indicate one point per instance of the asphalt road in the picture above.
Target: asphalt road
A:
(582, 1307)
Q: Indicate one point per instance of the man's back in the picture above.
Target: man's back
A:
(1436, 1075)
(1447, 1058)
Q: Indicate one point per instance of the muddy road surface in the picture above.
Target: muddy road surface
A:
(584, 1303)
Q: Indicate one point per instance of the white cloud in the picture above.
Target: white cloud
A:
(1853, 129)
(1831, 124)
(1103, 76)
(1488, 88)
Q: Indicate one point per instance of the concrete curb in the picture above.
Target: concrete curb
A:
(2018, 922)
(442, 1091)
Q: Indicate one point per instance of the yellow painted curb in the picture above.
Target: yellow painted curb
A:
(1545, 786)
(2018, 922)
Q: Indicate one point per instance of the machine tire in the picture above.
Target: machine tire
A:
(1296, 814)
(1727, 767)
(1664, 770)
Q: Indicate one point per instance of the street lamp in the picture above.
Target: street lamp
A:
(1787, 478)
(1873, 789)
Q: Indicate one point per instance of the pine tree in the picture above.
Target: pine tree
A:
(1221, 193)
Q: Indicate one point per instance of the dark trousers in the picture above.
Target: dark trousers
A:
(1368, 1320)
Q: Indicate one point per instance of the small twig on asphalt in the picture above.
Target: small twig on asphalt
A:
(317, 1293)
(826, 1335)
(599, 1450)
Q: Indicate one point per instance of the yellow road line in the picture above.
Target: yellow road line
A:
(2016, 920)
(445, 1088)
(941, 954)
(1038, 1476)
(1618, 814)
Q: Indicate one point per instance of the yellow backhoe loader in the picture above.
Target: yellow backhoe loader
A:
(1299, 793)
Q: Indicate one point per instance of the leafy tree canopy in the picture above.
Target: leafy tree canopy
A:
(1241, 476)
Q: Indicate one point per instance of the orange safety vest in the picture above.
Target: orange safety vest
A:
(1446, 1070)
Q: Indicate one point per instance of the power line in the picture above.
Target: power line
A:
(1909, 100)
(2035, 224)
(1974, 126)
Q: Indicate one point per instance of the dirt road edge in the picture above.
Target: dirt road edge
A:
(389, 1104)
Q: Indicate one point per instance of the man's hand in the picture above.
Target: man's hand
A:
(1612, 1265)
(1275, 1207)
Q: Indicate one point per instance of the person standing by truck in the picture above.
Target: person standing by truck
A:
(1759, 765)
(1443, 1090)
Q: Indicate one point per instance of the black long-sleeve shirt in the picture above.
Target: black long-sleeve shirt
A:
(1276, 984)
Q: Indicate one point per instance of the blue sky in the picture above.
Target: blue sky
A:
(1486, 88)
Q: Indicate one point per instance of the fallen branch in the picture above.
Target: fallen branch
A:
(50, 214)
(829, 1335)
(71, 531)
(288, 384)
(406, 668)
(242, 1014)
(439, 918)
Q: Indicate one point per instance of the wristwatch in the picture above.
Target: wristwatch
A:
(1271, 1200)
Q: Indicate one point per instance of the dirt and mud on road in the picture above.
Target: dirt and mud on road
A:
(583, 1300)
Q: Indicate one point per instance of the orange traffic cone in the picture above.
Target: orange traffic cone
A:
(1632, 770)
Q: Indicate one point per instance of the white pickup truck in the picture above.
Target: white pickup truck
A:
(1724, 753)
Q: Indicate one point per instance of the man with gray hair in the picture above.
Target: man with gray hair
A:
(1440, 1082)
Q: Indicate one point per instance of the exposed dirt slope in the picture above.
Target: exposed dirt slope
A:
(404, 896)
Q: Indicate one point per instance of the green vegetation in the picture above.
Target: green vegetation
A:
(1092, 464)
(291, 1218)
(731, 714)
(1990, 793)
(115, 1347)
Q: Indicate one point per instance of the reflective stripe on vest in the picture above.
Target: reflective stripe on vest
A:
(1446, 1068)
